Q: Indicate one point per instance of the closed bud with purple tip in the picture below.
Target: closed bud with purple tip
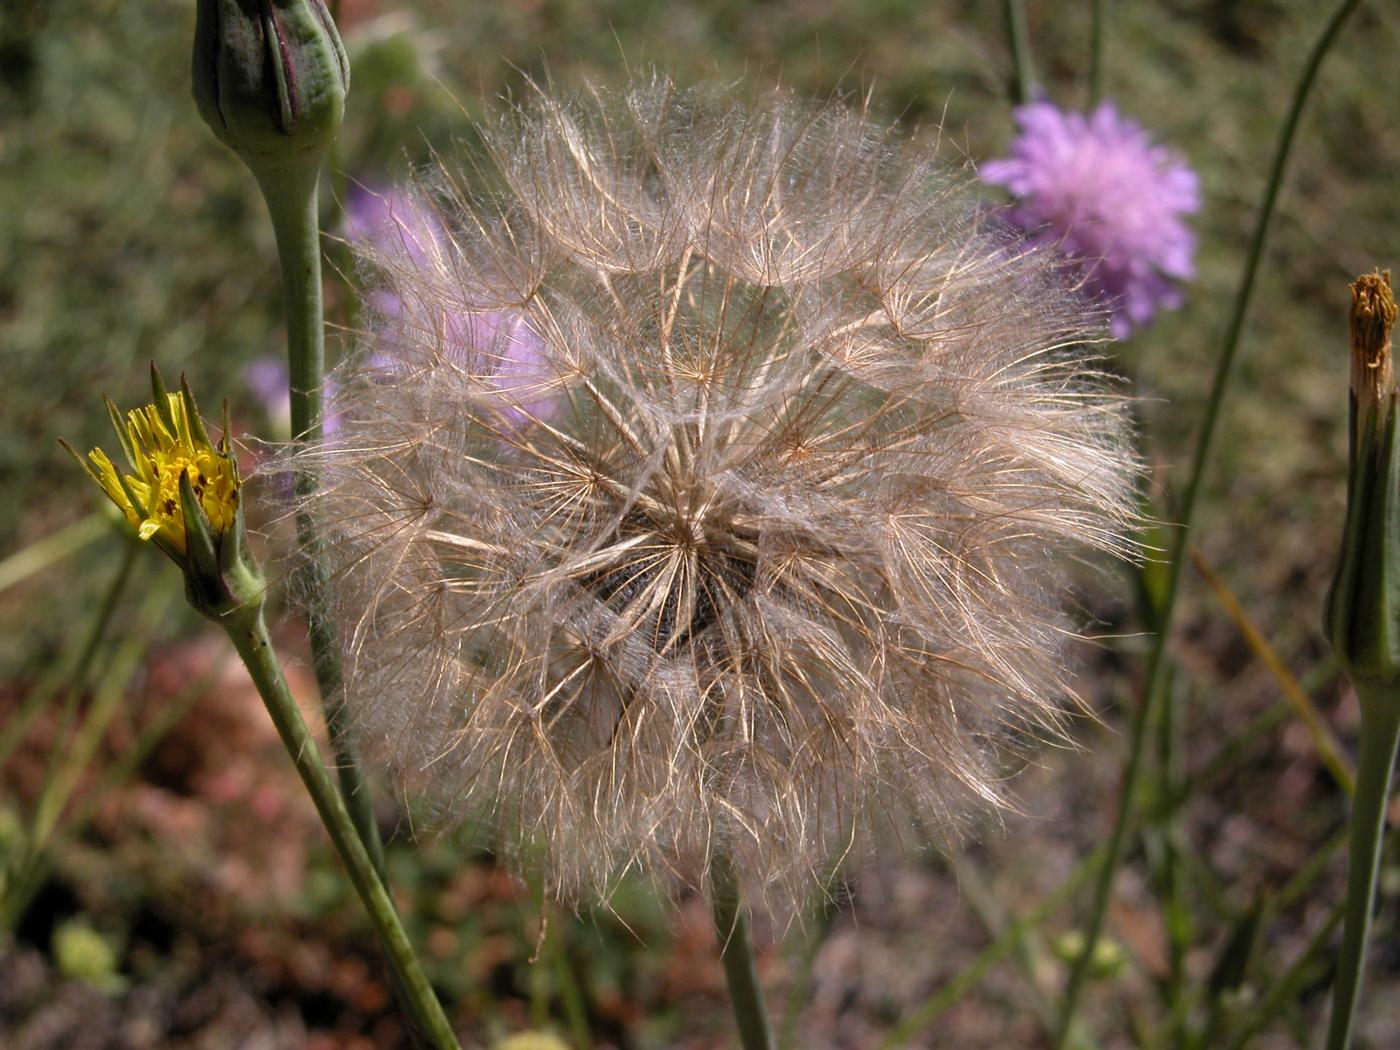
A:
(270, 78)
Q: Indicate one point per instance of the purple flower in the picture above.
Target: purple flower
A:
(394, 224)
(401, 233)
(1105, 195)
(266, 379)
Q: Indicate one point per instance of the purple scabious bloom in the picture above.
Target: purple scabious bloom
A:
(402, 232)
(1099, 189)
(388, 220)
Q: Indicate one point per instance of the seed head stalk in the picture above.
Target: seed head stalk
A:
(1153, 689)
(740, 970)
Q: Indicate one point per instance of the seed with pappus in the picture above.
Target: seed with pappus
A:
(1099, 190)
(706, 487)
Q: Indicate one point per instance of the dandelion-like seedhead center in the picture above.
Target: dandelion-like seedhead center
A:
(709, 489)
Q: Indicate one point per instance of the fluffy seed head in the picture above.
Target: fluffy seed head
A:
(1104, 194)
(705, 485)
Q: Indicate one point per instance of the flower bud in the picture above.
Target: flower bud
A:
(270, 79)
(184, 495)
(1363, 608)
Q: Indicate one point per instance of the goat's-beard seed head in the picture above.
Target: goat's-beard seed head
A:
(706, 486)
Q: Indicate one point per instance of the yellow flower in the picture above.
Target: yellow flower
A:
(163, 442)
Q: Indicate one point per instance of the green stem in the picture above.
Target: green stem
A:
(254, 645)
(292, 202)
(1176, 911)
(1224, 369)
(1380, 733)
(736, 951)
(1025, 944)
(1099, 32)
(1023, 80)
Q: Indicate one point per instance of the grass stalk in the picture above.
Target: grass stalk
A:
(1153, 691)
(72, 758)
(1288, 986)
(40, 555)
(117, 774)
(45, 813)
(75, 675)
(1328, 749)
(824, 914)
(571, 993)
(904, 1033)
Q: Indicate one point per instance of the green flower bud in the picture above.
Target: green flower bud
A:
(1107, 961)
(1363, 608)
(270, 79)
(85, 955)
(531, 1041)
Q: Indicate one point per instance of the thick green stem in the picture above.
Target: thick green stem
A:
(292, 201)
(1224, 369)
(736, 951)
(255, 647)
(1023, 78)
(1380, 733)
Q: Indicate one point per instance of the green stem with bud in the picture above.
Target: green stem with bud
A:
(1380, 734)
(736, 951)
(1153, 689)
(291, 194)
(250, 638)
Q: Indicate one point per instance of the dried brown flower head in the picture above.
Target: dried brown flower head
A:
(708, 486)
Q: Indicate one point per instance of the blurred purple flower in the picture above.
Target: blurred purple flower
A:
(393, 223)
(399, 229)
(266, 379)
(1097, 188)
